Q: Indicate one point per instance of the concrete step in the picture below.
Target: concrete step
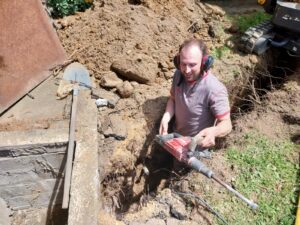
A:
(35, 194)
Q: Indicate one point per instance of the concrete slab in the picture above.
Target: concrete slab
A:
(33, 137)
(33, 154)
(41, 105)
(4, 213)
(33, 195)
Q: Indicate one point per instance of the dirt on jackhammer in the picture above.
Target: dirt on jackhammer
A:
(128, 48)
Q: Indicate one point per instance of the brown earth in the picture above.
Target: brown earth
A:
(142, 36)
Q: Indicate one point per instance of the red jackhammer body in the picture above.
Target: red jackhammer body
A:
(178, 146)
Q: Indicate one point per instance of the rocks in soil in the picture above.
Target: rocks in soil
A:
(178, 210)
(110, 96)
(114, 126)
(161, 210)
(215, 9)
(253, 59)
(125, 90)
(110, 80)
(229, 44)
(141, 68)
(153, 209)
(177, 207)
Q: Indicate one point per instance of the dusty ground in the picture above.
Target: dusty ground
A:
(146, 34)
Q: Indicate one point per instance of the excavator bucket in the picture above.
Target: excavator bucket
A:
(29, 48)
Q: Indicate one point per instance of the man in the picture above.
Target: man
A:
(198, 99)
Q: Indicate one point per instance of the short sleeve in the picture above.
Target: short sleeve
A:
(219, 102)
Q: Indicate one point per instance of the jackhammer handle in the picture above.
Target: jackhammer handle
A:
(194, 142)
(249, 202)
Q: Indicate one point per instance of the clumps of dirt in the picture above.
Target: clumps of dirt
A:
(278, 115)
(152, 30)
(137, 41)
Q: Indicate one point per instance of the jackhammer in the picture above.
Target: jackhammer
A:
(182, 148)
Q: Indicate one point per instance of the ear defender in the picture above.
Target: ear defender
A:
(176, 61)
(206, 64)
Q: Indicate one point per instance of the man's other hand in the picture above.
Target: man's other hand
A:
(164, 124)
(209, 137)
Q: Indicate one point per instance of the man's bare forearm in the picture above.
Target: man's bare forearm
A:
(169, 112)
(223, 127)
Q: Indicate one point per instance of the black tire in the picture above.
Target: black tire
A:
(270, 6)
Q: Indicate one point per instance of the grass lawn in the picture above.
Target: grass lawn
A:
(268, 173)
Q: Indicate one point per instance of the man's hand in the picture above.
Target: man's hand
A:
(209, 134)
(209, 137)
(164, 124)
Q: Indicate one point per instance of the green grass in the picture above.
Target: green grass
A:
(245, 21)
(220, 52)
(267, 172)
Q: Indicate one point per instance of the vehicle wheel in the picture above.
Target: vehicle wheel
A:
(270, 6)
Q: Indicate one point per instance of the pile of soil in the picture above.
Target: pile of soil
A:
(128, 48)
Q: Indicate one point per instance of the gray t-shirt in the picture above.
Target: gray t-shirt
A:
(198, 104)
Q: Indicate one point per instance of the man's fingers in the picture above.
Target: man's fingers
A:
(163, 129)
(207, 142)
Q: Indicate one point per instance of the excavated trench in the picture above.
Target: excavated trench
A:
(154, 170)
(270, 74)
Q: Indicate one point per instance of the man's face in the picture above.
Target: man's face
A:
(190, 62)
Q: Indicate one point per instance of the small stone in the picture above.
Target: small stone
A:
(118, 126)
(114, 126)
(184, 187)
(110, 80)
(178, 210)
(138, 46)
(109, 95)
(216, 9)
(134, 84)
(253, 59)
(229, 44)
(140, 68)
(168, 75)
(125, 90)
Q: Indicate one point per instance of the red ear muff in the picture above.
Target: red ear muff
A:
(204, 59)
(206, 63)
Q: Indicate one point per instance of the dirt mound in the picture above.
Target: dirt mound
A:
(137, 39)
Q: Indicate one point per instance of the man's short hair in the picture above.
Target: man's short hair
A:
(194, 42)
